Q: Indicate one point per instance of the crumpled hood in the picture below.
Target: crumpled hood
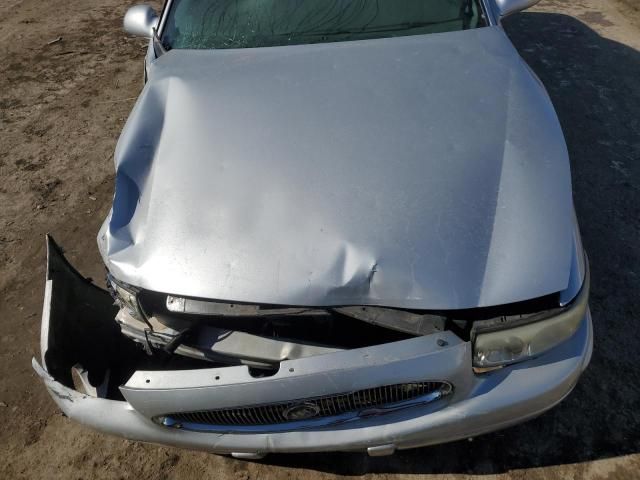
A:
(424, 172)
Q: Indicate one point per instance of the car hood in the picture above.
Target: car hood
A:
(425, 172)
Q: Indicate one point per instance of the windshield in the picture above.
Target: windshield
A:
(267, 23)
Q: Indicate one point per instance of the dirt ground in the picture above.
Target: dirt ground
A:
(68, 78)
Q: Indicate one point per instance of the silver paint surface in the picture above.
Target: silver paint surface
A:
(510, 396)
(509, 7)
(140, 20)
(417, 359)
(479, 404)
(419, 172)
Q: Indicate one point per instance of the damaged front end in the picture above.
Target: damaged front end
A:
(251, 379)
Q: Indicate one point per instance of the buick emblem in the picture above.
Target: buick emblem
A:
(301, 411)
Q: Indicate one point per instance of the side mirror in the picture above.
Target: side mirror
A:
(140, 21)
(507, 7)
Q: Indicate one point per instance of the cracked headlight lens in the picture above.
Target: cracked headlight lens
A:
(498, 346)
(125, 296)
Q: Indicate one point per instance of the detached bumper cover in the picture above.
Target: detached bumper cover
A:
(479, 403)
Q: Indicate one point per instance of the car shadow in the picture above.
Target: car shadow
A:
(595, 86)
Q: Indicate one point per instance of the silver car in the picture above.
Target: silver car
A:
(340, 225)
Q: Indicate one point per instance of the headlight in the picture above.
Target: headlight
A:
(499, 346)
(126, 296)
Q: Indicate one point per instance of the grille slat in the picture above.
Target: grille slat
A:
(254, 415)
(227, 416)
(326, 406)
(269, 413)
(274, 413)
(260, 415)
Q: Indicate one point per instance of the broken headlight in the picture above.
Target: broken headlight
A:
(496, 345)
(126, 296)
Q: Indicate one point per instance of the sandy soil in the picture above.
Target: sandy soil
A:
(68, 78)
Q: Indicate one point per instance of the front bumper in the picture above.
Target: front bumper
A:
(479, 404)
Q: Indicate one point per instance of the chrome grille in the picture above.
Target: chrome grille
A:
(326, 406)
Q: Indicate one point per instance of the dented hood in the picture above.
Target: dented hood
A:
(423, 172)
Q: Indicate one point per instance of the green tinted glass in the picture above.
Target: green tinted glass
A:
(266, 23)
